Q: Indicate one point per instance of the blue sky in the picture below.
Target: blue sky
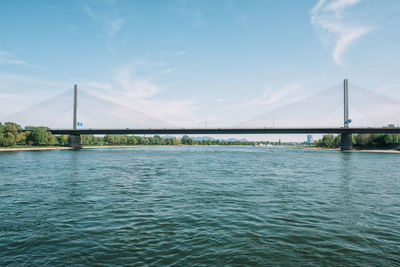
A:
(184, 61)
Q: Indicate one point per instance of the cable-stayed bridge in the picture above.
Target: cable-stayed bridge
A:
(327, 111)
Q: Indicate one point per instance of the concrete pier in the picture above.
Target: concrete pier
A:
(346, 141)
(75, 141)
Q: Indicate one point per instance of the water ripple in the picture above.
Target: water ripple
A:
(199, 206)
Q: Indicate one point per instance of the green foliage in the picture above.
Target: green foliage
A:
(2, 133)
(40, 136)
(132, 140)
(90, 140)
(362, 141)
(63, 139)
(10, 134)
(186, 140)
(327, 141)
(336, 142)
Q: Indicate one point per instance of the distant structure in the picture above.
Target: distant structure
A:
(310, 139)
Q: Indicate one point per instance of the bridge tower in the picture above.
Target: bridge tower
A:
(346, 138)
(75, 139)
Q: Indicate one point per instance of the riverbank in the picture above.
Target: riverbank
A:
(127, 146)
(355, 150)
(8, 149)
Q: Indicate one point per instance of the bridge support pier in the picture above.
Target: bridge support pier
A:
(346, 142)
(75, 141)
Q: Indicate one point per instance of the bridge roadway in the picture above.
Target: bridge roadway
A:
(229, 131)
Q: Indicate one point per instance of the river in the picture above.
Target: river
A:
(188, 206)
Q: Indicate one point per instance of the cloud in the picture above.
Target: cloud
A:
(166, 71)
(26, 83)
(97, 85)
(111, 22)
(134, 86)
(142, 94)
(18, 92)
(327, 16)
(339, 5)
(114, 25)
(272, 97)
(192, 11)
(222, 100)
(179, 53)
(11, 59)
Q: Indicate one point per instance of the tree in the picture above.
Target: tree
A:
(186, 140)
(123, 140)
(328, 141)
(63, 139)
(391, 139)
(176, 141)
(132, 140)
(88, 139)
(51, 139)
(38, 136)
(12, 133)
(363, 140)
(111, 139)
(378, 140)
(157, 140)
(2, 133)
(338, 139)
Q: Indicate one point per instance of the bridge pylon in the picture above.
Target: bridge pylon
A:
(75, 139)
(346, 140)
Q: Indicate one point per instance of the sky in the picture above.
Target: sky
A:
(196, 63)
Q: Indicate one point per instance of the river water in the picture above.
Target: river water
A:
(188, 206)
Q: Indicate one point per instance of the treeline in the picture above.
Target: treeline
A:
(154, 140)
(362, 141)
(11, 134)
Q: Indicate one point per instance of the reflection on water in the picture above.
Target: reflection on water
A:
(199, 206)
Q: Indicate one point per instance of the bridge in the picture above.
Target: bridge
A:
(345, 131)
(229, 131)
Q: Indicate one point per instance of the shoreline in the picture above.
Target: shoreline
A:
(390, 151)
(354, 150)
(9, 149)
(34, 148)
(127, 146)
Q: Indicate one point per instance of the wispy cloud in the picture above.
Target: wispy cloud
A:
(166, 71)
(178, 53)
(98, 85)
(8, 58)
(274, 97)
(111, 21)
(134, 86)
(328, 18)
(222, 100)
(19, 91)
(114, 25)
(25, 83)
(193, 11)
(143, 94)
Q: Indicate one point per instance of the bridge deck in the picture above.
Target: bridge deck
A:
(228, 131)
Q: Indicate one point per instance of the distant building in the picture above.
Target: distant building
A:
(310, 139)
(391, 126)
